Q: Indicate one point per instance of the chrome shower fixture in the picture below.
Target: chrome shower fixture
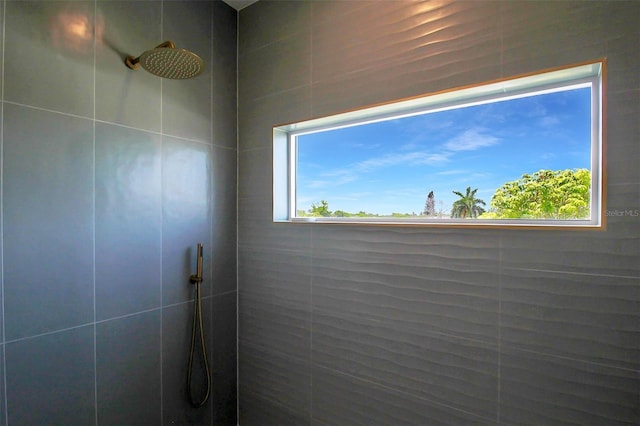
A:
(167, 61)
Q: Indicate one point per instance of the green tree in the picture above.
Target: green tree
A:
(468, 205)
(545, 194)
(320, 209)
(430, 205)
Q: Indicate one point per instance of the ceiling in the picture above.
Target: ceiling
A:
(239, 4)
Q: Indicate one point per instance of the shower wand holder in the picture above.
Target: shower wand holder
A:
(197, 278)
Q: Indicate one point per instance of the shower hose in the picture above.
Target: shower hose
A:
(198, 323)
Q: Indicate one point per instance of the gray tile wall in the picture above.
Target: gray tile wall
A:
(110, 178)
(364, 325)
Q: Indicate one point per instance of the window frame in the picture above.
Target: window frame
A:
(593, 72)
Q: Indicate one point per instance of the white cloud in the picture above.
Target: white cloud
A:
(549, 121)
(335, 178)
(408, 158)
(470, 140)
(452, 172)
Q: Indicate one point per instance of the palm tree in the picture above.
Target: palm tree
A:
(468, 205)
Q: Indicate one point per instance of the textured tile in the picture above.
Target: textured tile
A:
(416, 48)
(588, 317)
(256, 229)
(128, 221)
(48, 221)
(275, 378)
(225, 106)
(270, 21)
(124, 96)
(622, 214)
(461, 373)
(328, 11)
(447, 285)
(176, 341)
(46, 64)
(128, 370)
(186, 220)
(225, 27)
(352, 91)
(547, 34)
(274, 328)
(224, 359)
(276, 236)
(187, 104)
(257, 411)
(413, 246)
(572, 251)
(224, 222)
(260, 75)
(539, 389)
(413, 314)
(411, 34)
(258, 116)
(50, 379)
(623, 128)
(622, 35)
(255, 170)
(273, 276)
(340, 399)
(225, 82)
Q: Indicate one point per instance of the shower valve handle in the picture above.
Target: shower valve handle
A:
(197, 278)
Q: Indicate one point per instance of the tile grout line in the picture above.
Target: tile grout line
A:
(101, 321)
(515, 348)
(561, 272)
(84, 117)
(95, 327)
(211, 202)
(237, 251)
(311, 233)
(182, 138)
(499, 343)
(311, 317)
(49, 333)
(398, 391)
(161, 308)
(161, 229)
(5, 404)
(500, 250)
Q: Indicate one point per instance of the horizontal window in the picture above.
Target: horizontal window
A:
(525, 151)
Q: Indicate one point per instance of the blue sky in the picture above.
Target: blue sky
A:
(391, 166)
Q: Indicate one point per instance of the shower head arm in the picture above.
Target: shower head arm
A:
(131, 62)
(168, 44)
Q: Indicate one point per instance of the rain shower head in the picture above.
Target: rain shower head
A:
(167, 61)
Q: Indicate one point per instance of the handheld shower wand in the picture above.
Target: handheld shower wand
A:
(198, 322)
